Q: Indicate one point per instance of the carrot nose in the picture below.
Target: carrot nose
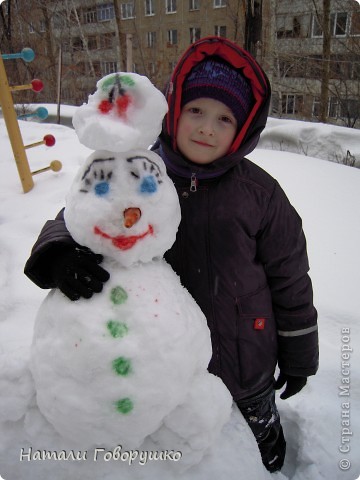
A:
(131, 216)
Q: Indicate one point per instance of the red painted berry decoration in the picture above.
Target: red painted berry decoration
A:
(49, 140)
(122, 104)
(37, 85)
(105, 106)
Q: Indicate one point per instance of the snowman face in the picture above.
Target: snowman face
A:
(124, 206)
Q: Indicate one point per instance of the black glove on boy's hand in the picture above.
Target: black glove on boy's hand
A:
(76, 272)
(293, 385)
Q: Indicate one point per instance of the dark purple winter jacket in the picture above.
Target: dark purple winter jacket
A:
(240, 249)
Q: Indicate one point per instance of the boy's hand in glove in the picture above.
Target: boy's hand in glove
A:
(293, 385)
(76, 272)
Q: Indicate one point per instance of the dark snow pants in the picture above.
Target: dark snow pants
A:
(263, 418)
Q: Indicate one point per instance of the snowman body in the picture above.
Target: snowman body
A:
(130, 362)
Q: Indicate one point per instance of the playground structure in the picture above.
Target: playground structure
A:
(12, 125)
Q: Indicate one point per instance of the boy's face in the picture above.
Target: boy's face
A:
(206, 130)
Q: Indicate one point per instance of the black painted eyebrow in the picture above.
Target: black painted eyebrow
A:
(96, 160)
(153, 164)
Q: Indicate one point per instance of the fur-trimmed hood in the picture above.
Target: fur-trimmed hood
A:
(247, 137)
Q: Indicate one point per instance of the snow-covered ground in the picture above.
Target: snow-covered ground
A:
(322, 423)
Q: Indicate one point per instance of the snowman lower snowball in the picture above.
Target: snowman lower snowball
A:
(129, 365)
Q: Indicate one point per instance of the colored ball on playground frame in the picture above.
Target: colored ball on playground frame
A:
(27, 54)
(37, 85)
(42, 113)
(49, 140)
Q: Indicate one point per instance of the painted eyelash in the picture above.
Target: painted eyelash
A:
(92, 175)
(148, 166)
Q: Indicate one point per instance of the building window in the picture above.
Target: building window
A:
(105, 12)
(316, 107)
(31, 28)
(194, 4)
(89, 15)
(292, 104)
(127, 11)
(170, 6)
(195, 34)
(151, 39)
(42, 26)
(77, 44)
(316, 29)
(107, 40)
(149, 7)
(333, 107)
(91, 42)
(288, 26)
(219, 3)
(339, 24)
(108, 67)
(172, 37)
(220, 31)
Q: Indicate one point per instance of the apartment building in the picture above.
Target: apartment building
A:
(307, 71)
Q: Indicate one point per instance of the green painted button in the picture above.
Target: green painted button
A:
(122, 366)
(118, 295)
(125, 405)
(117, 329)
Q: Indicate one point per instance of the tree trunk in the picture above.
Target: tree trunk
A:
(324, 95)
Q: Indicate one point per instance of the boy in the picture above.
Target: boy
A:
(240, 248)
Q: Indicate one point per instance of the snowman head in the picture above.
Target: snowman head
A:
(125, 112)
(124, 206)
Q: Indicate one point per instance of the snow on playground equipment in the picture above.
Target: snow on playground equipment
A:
(11, 120)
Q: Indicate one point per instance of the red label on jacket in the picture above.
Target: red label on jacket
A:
(259, 323)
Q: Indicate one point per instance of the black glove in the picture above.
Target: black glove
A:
(293, 384)
(76, 272)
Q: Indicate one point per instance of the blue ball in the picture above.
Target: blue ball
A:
(42, 113)
(27, 54)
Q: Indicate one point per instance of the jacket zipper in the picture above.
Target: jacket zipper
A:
(193, 182)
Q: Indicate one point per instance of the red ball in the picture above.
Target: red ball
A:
(37, 85)
(49, 140)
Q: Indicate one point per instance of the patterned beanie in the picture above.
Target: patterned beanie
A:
(220, 81)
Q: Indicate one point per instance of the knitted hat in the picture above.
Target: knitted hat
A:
(220, 81)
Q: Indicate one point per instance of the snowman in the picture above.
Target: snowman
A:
(129, 364)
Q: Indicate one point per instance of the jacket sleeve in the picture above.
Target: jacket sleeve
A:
(53, 237)
(282, 251)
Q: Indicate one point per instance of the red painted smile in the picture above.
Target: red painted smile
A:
(122, 242)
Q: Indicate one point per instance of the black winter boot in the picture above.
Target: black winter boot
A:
(263, 418)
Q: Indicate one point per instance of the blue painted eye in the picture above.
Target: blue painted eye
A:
(102, 188)
(148, 185)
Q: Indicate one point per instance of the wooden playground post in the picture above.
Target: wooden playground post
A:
(12, 126)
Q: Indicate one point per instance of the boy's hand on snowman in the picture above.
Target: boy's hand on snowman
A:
(77, 273)
(293, 385)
